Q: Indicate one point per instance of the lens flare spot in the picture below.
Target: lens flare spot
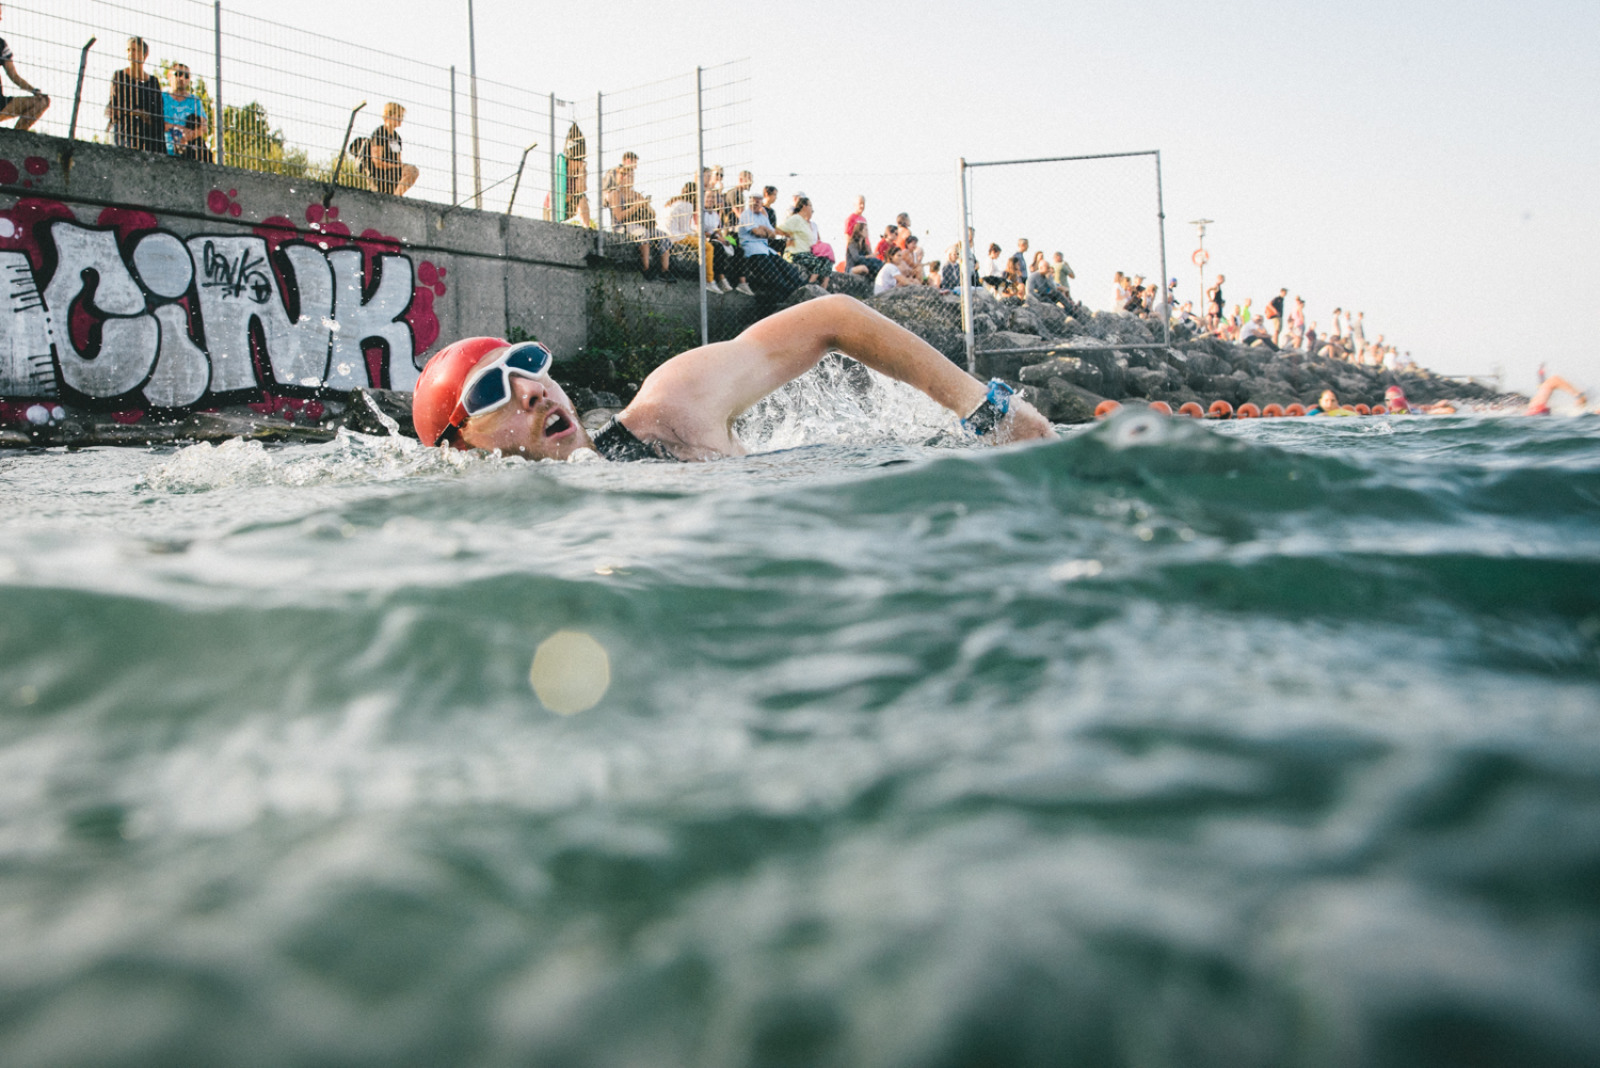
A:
(571, 672)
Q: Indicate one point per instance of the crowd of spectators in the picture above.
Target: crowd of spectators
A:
(1281, 327)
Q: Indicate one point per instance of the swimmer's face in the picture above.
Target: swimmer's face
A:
(1327, 400)
(538, 423)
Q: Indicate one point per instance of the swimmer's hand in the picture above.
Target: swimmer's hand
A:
(1022, 422)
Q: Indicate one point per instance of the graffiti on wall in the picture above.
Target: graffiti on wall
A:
(128, 313)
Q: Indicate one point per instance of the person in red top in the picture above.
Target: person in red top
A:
(857, 216)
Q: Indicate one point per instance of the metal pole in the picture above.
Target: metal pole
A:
(216, 96)
(557, 211)
(455, 170)
(327, 198)
(472, 72)
(516, 184)
(596, 179)
(77, 95)
(700, 199)
(966, 272)
(1161, 224)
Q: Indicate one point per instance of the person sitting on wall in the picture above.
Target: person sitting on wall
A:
(25, 109)
(764, 270)
(633, 219)
(858, 257)
(484, 393)
(896, 273)
(385, 172)
(185, 118)
(681, 228)
(806, 250)
(134, 113)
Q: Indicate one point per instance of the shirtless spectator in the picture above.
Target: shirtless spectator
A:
(633, 218)
(385, 171)
(1214, 306)
(25, 109)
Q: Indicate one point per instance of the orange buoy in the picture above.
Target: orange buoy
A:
(1247, 411)
(1161, 407)
(1105, 409)
(1362, 409)
(1295, 409)
(1378, 409)
(1192, 410)
(1220, 409)
(1272, 411)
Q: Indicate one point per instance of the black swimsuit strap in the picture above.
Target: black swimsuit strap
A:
(617, 443)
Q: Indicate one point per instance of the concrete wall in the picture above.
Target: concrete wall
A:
(131, 281)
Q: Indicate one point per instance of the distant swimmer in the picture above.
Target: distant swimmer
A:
(1328, 404)
(1394, 398)
(488, 394)
(1540, 405)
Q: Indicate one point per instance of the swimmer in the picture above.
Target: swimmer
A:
(1394, 398)
(1540, 405)
(1328, 404)
(487, 394)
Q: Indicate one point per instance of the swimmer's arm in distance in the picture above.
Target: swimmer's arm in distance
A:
(694, 398)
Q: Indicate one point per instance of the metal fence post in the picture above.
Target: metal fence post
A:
(216, 96)
(966, 271)
(472, 73)
(699, 198)
(557, 211)
(596, 178)
(455, 170)
(1161, 224)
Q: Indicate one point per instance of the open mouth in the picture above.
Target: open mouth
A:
(557, 423)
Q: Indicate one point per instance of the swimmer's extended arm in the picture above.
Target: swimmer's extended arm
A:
(695, 397)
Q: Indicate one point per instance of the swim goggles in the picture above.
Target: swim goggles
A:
(489, 387)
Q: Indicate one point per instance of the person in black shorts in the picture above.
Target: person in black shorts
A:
(25, 109)
(384, 170)
(1215, 293)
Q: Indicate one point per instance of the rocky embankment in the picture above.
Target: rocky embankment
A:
(1084, 366)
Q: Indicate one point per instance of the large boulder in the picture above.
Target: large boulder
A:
(1062, 402)
(993, 363)
(1075, 369)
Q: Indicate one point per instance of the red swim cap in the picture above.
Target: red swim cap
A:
(436, 405)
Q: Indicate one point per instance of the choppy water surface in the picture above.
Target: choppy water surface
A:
(1163, 744)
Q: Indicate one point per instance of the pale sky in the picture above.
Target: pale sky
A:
(1431, 164)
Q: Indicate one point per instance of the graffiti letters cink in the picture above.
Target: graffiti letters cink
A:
(129, 313)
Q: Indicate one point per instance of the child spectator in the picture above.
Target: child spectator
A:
(897, 272)
(385, 172)
(25, 109)
(185, 118)
(888, 242)
(135, 113)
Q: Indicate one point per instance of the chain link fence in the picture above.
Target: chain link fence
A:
(1068, 252)
(289, 96)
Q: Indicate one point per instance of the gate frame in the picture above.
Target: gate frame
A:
(968, 263)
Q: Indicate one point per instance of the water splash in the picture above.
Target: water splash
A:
(842, 402)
